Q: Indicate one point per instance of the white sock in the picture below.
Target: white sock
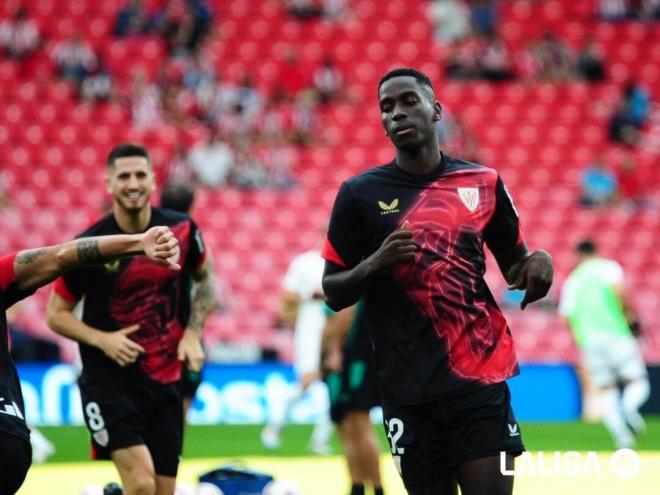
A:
(322, 431)
(635, 394)
(280, 411)
(613, 419)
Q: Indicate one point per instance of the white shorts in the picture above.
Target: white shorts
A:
(610, 359)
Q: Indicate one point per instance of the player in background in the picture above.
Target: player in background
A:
(180, 196)
(595, 304)
(349, 372)
(409, 236)
(20, 275)
(302, 308)
(137, 332)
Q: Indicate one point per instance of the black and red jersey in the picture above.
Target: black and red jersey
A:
(436, 328)
(12, 409)
(135, 290)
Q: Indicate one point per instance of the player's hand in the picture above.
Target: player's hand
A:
(119, 347)
(161, 246)
(190, 350)
(308, 378)
(398, 247)
(535, 277)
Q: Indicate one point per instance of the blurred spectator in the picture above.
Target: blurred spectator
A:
(526, 63)
(303, 119)
(554, 58)
(484, 16)
(645, 9)
(630, 185)
(183, 24)
(493, 61)
(145, 103)
(328, 81)
(97, 84)
(278, 158)
(179, 104)
(335, 9)
(630, 115)
(450, 19)
(612, 9)
(131, 19)
(599, 185)
(455, 139)
(248, 172)
(461, 61)
(304, 9)
(589, 64)
(211, 161)
(178, 169)
(74, 57)
(19, 37)
(247, 96)
(202, 19)
(198, 71)
(293, 78)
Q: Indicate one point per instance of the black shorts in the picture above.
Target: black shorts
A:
(119, 416)
(429, 441)
(189, 383)
(352, 389)
(15, 460)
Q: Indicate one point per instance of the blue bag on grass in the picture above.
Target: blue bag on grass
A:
(236, 479)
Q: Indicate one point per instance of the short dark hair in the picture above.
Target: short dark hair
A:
(127, 149)
(421, 78)
(586, 247)
(178, 196)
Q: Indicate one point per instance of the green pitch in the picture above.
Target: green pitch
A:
(72, 443)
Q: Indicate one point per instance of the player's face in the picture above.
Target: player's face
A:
(131, 182)
(408, 113)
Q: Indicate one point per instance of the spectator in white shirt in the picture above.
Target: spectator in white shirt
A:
(19, 37)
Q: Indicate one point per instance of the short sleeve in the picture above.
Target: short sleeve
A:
(613, 273)
(343, 244)
(567, 299)
(8, 281)
(70, 286)
(197, 251)
(503, 234)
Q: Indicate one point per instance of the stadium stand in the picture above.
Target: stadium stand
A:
(539, 135)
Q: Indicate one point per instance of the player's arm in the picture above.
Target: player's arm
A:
(334, 333)
(116, 345)
(37, 267)
(288, 310)
(344, 287)
(522, 269)
(202, 304)
(158, 243)
(619, 288)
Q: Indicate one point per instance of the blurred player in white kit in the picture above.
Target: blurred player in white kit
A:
(303, 308)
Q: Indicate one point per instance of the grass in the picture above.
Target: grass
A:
(233, 441)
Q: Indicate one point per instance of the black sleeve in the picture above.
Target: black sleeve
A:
(196, 248)
(344, 244)
(503, 234)
(8, 285)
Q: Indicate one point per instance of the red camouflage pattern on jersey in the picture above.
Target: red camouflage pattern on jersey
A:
(445, 280)
(148, 295)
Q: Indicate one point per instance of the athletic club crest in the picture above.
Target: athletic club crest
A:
(469, 196)
(102, 437)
